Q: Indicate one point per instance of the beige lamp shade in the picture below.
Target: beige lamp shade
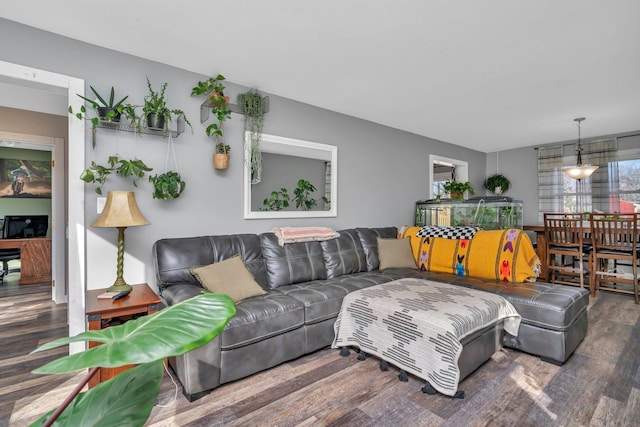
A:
(120, 210)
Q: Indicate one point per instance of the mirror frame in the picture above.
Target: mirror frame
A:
(291, 147)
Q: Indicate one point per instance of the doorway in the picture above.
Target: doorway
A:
(56, 208)
(26, 77)
(442, 169)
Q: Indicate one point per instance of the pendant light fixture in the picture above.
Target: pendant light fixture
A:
(579, 171)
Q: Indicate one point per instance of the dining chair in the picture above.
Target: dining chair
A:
(565, 237)
(615, 242)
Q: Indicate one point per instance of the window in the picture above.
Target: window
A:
(614, 187)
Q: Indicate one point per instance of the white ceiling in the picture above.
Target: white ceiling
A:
(488, 75)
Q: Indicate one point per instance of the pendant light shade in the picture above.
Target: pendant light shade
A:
(579, 171)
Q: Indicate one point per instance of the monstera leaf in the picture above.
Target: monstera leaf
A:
(146, 341)
(126, 399)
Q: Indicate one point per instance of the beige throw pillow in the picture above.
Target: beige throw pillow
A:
(229, 277)
(395, 253)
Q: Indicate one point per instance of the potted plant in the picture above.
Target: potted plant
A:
(497, 183)
(277, 200)
(166, 185)
(456, 189)
(155, 109)
(221, 156)
(254, 106)
(129, 397)
(219, 103)
(108, 111)
(126, 168)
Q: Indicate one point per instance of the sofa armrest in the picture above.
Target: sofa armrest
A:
(177, 293)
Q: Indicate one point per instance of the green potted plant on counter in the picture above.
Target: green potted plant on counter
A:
(456, 189)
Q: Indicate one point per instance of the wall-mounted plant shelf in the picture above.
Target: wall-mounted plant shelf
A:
(126, 127)
(205, 109)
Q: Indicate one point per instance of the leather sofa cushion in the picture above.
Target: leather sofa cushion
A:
(540, 304)
(174, 257)
(344, 255)
(293, 262)
(322, 299)
(368, 239)
(262, 317)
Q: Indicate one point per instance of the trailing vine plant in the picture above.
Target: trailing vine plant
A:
(254, 105)
(213, 90)
(134, 169)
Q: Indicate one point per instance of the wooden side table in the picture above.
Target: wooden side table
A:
(102, 312)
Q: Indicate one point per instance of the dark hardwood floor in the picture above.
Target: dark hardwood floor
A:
(599, 385)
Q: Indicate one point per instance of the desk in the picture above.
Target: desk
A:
(140, 302)
(35, 258)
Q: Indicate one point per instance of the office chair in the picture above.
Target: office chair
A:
(7, 255)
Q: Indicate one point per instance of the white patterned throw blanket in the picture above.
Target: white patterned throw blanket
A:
(417, 325)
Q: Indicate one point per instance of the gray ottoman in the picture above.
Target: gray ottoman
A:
(554, 317)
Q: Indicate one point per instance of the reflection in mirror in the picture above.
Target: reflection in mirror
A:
(285, 163)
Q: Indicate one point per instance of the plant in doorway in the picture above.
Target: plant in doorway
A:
(456, 189)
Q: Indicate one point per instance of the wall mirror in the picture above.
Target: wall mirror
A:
(285, 161)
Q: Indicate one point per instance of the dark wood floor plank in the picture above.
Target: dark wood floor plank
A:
(599, 384)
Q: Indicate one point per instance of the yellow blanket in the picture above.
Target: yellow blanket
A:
(506, 255)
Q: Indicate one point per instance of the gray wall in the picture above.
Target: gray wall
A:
(382, 171)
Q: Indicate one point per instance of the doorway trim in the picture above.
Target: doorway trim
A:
(76, 257)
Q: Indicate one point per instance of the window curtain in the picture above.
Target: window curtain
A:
(598, 193)
(602, 187)
(327, 183)
(550, 181)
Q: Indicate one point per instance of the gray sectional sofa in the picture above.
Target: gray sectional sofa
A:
(306, 283)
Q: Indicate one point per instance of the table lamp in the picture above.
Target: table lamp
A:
(120, 211)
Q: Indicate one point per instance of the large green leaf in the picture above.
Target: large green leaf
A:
(170, 332)
(125, 400)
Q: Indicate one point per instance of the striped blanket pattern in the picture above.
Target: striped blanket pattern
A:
(417, 325)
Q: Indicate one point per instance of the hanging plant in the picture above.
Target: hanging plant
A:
(170, 183)
(497, 183)
(254, 106)
(221, 156)
(167, 185)
(213, 90)
(135, 169)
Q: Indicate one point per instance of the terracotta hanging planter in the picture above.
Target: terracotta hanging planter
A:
(220, 161)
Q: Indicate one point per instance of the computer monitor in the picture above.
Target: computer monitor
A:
(25, 226)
